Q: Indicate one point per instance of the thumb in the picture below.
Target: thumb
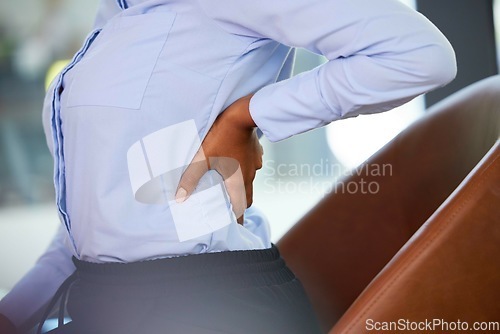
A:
(191, 176)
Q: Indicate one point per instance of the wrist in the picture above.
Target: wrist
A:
(239, 113)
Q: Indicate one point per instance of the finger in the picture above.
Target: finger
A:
(191, 176)
(259, 163)
(249, 190)
(235, 186)
(259, 157)
(230, 171)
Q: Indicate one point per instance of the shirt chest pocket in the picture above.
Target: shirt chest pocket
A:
(116, 69)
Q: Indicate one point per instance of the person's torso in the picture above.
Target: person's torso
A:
(135, 104)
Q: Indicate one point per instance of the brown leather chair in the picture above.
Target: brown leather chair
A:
(427, 244)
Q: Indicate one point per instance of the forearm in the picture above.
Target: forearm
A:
(241, 116)
(25, 302)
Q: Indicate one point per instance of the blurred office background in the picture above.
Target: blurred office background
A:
(36, 34)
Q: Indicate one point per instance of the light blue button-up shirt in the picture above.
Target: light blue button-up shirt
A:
(130, 110)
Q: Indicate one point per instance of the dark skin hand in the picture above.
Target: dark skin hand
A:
(232, 148)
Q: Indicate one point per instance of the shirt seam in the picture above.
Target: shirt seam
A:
(240, 38)
(217, 93)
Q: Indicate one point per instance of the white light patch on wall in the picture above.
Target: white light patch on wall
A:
(410, 3)
(354, 140)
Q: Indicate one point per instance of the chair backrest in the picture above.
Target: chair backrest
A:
(345, 240)
(448, 272)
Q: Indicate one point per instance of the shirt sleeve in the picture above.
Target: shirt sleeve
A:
(25, 303)
(106, 10)
(381, 54)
